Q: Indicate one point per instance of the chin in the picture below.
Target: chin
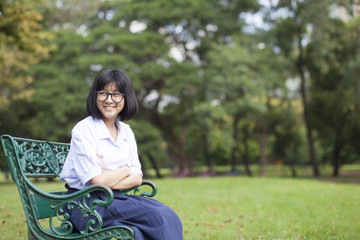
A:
(110, 116)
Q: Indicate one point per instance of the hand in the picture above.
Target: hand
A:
(126, 168)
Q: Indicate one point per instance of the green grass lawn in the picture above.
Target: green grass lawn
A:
(236, 208)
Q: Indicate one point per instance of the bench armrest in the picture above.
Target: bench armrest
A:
(135, 190)
(55, 205)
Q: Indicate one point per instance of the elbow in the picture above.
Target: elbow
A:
(97, 180)
(138, 180)
(102, 181)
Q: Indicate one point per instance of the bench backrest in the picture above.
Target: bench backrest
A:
(34, 158)
(29, 158)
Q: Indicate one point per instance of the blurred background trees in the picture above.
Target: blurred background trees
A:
(220, 83)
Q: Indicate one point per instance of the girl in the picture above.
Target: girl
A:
(103, 150)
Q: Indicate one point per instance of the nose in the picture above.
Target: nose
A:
(109, 99)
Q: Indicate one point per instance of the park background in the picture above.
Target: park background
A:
(244, 104)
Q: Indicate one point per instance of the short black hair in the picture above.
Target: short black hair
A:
(123, 84)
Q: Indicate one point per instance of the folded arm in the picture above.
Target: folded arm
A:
(119, 178)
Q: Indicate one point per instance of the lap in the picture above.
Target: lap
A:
(149, 218)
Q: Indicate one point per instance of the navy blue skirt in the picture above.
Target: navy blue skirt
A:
(149, 218)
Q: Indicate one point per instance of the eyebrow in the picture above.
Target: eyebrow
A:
(108, 91)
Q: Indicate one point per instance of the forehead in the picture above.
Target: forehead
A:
(111, 87)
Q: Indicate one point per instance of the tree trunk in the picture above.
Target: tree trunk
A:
(206, 152)
(177, 151)
(235, 148)
(154, 165)
(300, 68)
(245, 154)
(143, 167)
(189, 161)
(262, 141)
(293, 170)
(338, 146)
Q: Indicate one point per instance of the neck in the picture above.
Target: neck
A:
(110, 124)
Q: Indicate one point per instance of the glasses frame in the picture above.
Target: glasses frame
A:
(107, 96)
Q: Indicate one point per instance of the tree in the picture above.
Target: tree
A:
(22, 43)
(209, 92)
(189, 27)
(291, 34)
(332, 57)
(150, 145)
(209, 118)
(289, 144)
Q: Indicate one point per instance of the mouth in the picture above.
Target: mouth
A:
(109, 107)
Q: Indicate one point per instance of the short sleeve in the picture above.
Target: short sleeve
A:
(87, 165)
(135, 166)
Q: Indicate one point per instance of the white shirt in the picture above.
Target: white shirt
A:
(89, 138)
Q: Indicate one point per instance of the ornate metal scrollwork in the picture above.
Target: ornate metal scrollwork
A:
(34, 158)
(61, 151)
(51, 160)
(90, 213)
(40, 157)
(10, 152)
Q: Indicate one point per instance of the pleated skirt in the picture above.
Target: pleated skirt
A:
(149, 218)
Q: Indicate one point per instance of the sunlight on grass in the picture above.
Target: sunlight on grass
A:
(254, 208)
(235, 208)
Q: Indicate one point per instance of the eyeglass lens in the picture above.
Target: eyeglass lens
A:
(115, 97)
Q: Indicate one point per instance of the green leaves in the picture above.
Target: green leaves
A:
(207, 87)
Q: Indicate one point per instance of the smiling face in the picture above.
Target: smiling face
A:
(109, 108)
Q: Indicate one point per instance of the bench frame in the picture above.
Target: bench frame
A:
(29, 158)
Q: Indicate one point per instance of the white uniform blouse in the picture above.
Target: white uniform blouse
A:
(89, 138)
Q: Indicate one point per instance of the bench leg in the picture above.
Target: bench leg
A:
(31, 236)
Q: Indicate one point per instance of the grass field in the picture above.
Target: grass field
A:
(235, 208)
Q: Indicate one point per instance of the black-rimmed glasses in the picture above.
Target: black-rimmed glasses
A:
(116, 97)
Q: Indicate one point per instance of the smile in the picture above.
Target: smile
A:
(109, 107)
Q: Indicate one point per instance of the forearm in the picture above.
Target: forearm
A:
(112, 178)
(130, 181)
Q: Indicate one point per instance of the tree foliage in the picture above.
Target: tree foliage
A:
(210, 92)
(23, 42)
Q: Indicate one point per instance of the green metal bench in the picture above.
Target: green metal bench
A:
(46, 212)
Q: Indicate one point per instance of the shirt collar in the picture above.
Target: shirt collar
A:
(101, 129)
